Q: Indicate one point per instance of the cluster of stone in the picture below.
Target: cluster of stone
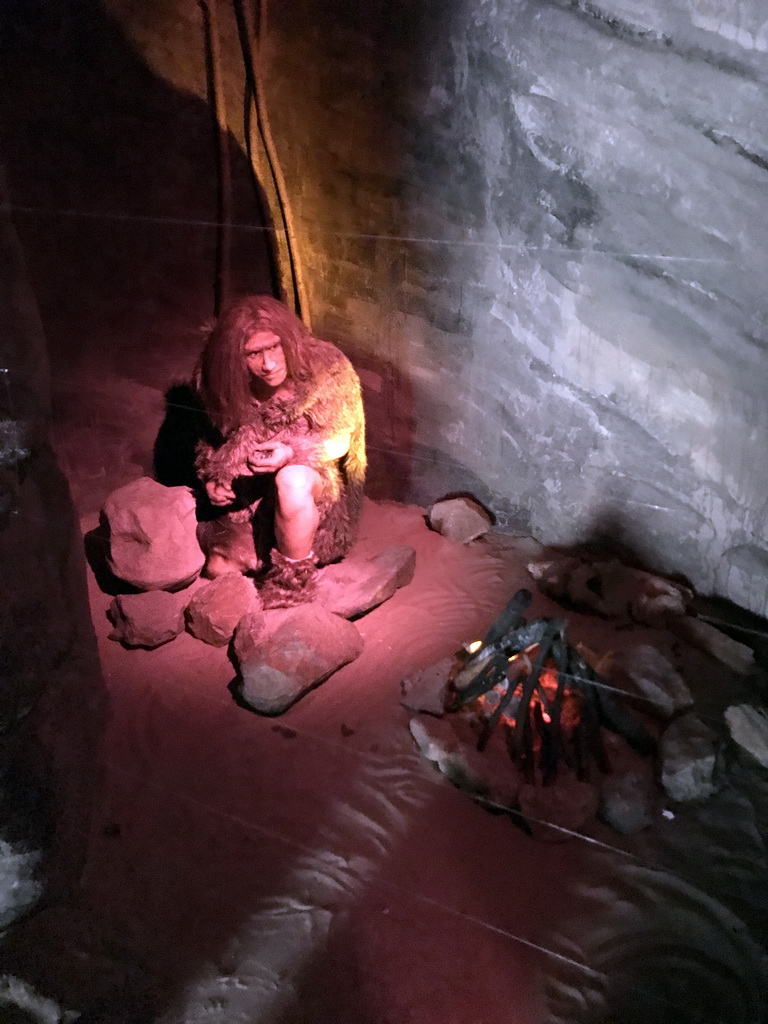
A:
(281, 654)
(631, 797)
(617, 591)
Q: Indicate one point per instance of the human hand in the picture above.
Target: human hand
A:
(269, 457)
(219, 494)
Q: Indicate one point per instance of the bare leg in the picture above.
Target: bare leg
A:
(296, 512)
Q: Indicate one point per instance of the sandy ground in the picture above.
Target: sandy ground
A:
(314, 868)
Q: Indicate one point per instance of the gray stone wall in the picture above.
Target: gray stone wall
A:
(540, 226)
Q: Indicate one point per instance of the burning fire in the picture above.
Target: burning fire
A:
(545, 695)
(550, 701)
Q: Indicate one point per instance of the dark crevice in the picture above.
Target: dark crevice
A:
(728, 142)
(657, 41)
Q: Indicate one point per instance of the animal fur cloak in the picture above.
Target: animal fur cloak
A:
(307, 415)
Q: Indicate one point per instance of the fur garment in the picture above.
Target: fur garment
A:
(306, 416)
(289, 582)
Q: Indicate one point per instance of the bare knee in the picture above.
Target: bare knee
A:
(298, 487)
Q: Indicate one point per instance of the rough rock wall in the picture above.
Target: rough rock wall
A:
(51, 694)
(541, 223)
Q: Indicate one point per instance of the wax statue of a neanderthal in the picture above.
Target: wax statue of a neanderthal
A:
(284, 460)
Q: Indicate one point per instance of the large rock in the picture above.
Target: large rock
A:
(147, 620)
(713, 641)
(215, 610)
(749, 728)
(612, 589)
(688, 759)
(556, 813)
(627, 802)
(285, 653)
(353, 587)
(646, 673)
(460, 519)
(20, 1002)
(153, 539)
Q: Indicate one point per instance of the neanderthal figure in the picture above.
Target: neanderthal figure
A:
(285, 460)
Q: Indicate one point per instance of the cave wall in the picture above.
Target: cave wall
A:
(52, 697)
(539, 228)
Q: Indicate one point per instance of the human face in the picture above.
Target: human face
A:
(265, 358)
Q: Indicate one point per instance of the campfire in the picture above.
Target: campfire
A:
(525, 679)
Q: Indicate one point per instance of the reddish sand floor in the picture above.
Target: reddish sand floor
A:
(314, 867)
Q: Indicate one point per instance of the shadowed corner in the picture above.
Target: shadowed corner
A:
(184, 424)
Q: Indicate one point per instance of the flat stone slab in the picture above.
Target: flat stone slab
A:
(424, 689)
(646, 673)
(459, 519)
(353, 587)
(688, 756)
(153, 535)
(147, 620)
(282, 654)
(215, 610)
(749, 728)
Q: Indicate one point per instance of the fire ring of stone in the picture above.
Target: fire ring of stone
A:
(524, 682)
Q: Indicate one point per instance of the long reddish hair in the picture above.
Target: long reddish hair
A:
(223, 378)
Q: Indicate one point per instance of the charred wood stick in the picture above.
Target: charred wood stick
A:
(579, 672)
(549, 755)
(491, 723)
(525, 636)
(554, 627)
(619, 719)
(526, 759)
(591, 719)
(490, 673)
(560, 659)
(511, 618)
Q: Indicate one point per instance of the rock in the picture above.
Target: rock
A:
(660, 601)
(688, 759)
(459, 519)
(708, 638)
(627, 802)
(284, 653)
(450, 743)
(399, 560)
(555, 812)
(424, 690)
(445, 752)
(21, 881)
(215, 610)
(749, 728)
(153, 539)
(644, 671)
(612, 589)
(19, 1001)
(147, 620)
(353, 587)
